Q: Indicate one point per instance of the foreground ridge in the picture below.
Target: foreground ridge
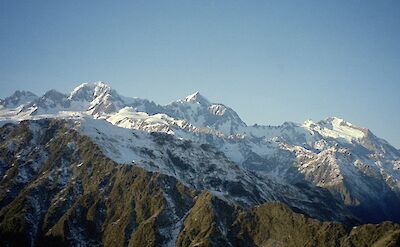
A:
(58, 188)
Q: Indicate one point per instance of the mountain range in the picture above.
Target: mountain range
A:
(94, 168)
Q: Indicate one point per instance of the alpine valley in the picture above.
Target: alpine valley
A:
(95, 168)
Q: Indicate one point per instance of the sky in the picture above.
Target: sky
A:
(271, 61)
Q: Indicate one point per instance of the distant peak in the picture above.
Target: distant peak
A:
(19, 97)
(196, 97)
(86, 91)
(83, 85)
(101, 84)
(23, 93)
(330, 123)
(330, 120)
(337, 121)
(192, 96)
(309, 122)
(53, 93)
(92, 85)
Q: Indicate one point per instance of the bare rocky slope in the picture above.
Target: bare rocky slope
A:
(58, 188)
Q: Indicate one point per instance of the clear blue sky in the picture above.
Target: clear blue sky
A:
(269, 60)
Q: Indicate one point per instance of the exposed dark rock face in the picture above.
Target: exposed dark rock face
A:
(76, 196)
(57, 188)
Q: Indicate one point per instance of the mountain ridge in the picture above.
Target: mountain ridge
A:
(61, 189)
(357, 167)
(195, 97)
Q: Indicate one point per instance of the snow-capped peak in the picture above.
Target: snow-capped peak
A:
(309, 123)
(80, 87)
(89, 91)
(101, 84)
(53, 94)
(337, 128)
(198, 111)
(18, 98)
(101, 87)
(83, 91)
(196, 98)
(337, 121)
